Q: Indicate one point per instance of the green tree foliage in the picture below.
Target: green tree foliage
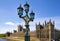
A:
(2, 35)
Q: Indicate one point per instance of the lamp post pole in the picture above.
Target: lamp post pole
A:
(27, 18)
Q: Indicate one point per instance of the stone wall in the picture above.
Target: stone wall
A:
(21, 34)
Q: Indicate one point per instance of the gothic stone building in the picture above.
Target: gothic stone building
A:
(47, 32)
(21, 31)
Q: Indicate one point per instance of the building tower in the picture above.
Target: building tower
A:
(38, 30)
(51, 30)
(19, 28)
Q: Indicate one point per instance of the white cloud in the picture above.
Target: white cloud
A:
(32, 24)
(10, 23)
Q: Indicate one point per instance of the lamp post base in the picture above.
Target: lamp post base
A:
(27, 38)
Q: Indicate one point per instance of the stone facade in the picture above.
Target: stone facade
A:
(45, 32)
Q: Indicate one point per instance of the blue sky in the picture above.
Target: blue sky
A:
(43, 9)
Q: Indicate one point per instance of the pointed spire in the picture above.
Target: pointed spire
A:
(53, 23)
(50, 21)
(36, 25)
(45, 22)
(39, 23)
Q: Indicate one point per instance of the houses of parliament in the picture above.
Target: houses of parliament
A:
(45, 32)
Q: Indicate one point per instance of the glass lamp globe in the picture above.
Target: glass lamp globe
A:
(32, 14)
(20, 10)
(26, 7)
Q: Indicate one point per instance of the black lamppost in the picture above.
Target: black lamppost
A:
(27, 18)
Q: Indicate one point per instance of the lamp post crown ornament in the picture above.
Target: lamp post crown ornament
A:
(26, 4)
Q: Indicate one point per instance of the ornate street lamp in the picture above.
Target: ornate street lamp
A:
(26, 18)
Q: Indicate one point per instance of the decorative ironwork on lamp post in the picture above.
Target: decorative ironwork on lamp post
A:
(27, 18)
